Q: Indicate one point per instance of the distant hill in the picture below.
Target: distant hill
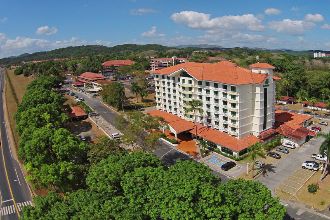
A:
(119, 51)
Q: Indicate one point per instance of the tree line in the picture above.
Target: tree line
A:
(137, 186)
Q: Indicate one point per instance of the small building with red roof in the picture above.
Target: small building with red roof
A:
(77, 113)
(88, 77)
(286, 100)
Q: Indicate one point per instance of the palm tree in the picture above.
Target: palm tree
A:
(325, 150)
(194, 107)
(135, 88)
(256, 151)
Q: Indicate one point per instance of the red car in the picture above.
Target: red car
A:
(315, 128)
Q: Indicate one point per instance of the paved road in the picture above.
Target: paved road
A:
(14, 190)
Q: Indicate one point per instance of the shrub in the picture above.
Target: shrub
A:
(173, 141)
(312, 188)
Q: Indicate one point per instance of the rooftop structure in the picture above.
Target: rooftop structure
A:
(160, 63)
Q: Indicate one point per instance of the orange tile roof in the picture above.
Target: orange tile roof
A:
(91, 76)
(117, 63)
(290, 118)
(77, 111)
(224, 72)
(208, 134)
(276, 78)
(321, 105)
(262, 66)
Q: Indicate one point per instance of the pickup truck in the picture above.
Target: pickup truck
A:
(319, 157)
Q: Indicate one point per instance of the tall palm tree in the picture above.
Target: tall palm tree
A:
(255, 151)
(194, 107)
(325, 151)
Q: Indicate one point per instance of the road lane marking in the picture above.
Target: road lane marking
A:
(9, 185)
(8, 200)
(17, 177)
(8, 210)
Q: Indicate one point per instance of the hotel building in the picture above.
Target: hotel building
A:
(237, 103)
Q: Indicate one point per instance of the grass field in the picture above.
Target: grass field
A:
(15, 89)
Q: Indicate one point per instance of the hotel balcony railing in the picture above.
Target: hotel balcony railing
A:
(186, 91)
(232, 108)
(232, 92)
(186, 85)
(232, 116)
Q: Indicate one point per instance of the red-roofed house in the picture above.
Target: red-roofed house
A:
(285, 100)
(87, 77)
(93, 82)
(293, 126)
(77, 113)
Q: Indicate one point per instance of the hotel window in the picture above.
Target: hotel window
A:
(190, 89)
(190, 81)
(208, 106)
(233, 113)
(169, 96)
(224, 103)
(216, 92)
(233, 97)
(174, 91)
(173, 84)
(200, 97)
(233, 105)
(183, 80)
(233, 121)
(224, 95)
(225, 118)
(156, 76)
(207, 84)
(200, 89)
(174, 97)
(200, 83)
(225, 126)
(224, 86)
(233, 88)
(225, 110)
(168, 90)
(208, 99)
(233, 129)
(163, 77)
(168, 77)
(207, 91)
(216, 108)
(190, 95)
(216, 123)
(168, 84)
(216, 85)
(216, 100)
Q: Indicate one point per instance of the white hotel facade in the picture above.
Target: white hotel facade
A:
(236, 101)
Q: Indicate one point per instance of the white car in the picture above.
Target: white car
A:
(324, 123)
(115, 135)
(319, 157)
(289, 145)
(311, 165)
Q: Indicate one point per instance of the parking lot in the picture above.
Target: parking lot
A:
(284, 170)
(293, 183)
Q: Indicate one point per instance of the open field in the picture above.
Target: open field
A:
(15, 89)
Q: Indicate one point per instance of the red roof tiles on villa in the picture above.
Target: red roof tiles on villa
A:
(224, 72)
(77, 112)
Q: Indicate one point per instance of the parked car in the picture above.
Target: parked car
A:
(316, 128)
(274, 155)
(289, 145)
(93, 114)
(324, 123)
(282, 150)
(115, 135)
(311, 165)
(319, 157)
(259, 164)
(227, 166)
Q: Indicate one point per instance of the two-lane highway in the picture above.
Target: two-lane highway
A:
(14, 191)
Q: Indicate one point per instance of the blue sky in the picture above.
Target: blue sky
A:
(36, 25)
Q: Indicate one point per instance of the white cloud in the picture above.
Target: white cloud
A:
(199, 20)
(294, 27)
(142, 11)
(46, 30)
(314, 18)
(152, 33)
(3, 19)
(20, 45)
(326, 26)
(272, 11)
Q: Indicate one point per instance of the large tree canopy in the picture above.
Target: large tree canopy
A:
(137, 186)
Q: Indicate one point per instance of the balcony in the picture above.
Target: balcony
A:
(232, 92)
(186, 92)
(186, 85)
(231, 116)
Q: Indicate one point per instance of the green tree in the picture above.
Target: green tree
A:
(114, 95)
(103, 148)
(195, 108)
(325, 151)
(255, 151)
